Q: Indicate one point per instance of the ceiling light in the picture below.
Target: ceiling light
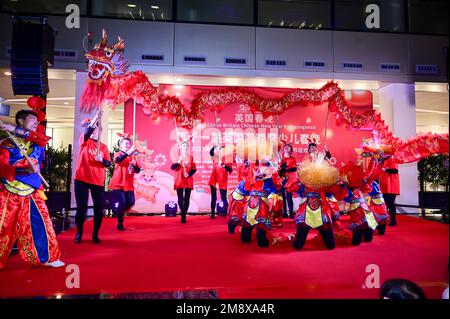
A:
(155, 7)
(66, 103)
(8, 73)
(130, 5)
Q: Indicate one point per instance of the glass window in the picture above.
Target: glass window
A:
(351, 15)
(41, 6)
(430, 16)
(217, 11)
(307, 14)
(133, 9)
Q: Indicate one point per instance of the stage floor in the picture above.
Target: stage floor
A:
(160, 257)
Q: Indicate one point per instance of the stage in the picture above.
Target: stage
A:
(158, 257)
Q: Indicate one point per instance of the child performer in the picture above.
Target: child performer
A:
(184, 169)
(23, 213)
(122, 182)
(219, 176)
(90, 176)
(239, 196)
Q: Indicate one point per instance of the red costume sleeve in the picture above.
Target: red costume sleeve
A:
(339, 192)
(6, 171)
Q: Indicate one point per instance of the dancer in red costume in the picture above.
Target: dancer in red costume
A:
(239, 196)
(289, 172)
(362, 218)
(23, 213)
(259, 205)
(219, 177)
(390, 187)
(122, 181)
(374, 196)
(317, 182)
(90, 176)
(184, 169)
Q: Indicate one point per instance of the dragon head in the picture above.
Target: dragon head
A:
(106, 60)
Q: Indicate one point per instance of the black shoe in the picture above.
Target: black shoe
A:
(78, 237)
(285, 215)
(231, 228)
(95, 239)
(261, 238)
(291, 215)
(213, 215)
(393, 222)
(183, 218)
(120, 227)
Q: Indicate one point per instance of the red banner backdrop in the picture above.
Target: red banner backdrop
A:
(236, 123)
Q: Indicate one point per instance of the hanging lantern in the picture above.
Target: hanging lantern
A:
(40, 115)
(36, 102)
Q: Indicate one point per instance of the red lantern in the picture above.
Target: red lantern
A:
(40, 129)
(36, 102)
(40, 115)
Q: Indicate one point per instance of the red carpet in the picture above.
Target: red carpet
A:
(158, 254)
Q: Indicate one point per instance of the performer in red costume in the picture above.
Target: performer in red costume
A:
(390, 187)
(239, 196)
(219, 176)
(289, 172)
(184, 169)
(259, 205)
(316, 211)
(374, 196)
(362, 218)
(122, 181)
(90, 176)
(23, 213)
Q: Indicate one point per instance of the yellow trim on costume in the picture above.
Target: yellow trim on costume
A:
(251, 213)
(313, 218)
(332, 199)
(237, 196)
(355, 205)
(18, 188)
(42, 194)
(378, 201)
(371, 220)
(4, 212)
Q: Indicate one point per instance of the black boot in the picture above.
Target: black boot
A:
(95, 238)
(291, 215)
(357, 237)
(231, 228)
(328, 238)
(213, 214)
(78, 236)
(120, 221)
(300, 238)
(261, 238)
(183, 218)
(368, 234)
(381, 229)
(246, 234)
(393, 221)
(285, 214)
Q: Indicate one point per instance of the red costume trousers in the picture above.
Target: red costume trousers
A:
(26, 219)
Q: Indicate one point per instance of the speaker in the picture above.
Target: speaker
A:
(32, 51)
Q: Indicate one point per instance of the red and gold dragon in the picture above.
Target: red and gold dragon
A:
(110, 83)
